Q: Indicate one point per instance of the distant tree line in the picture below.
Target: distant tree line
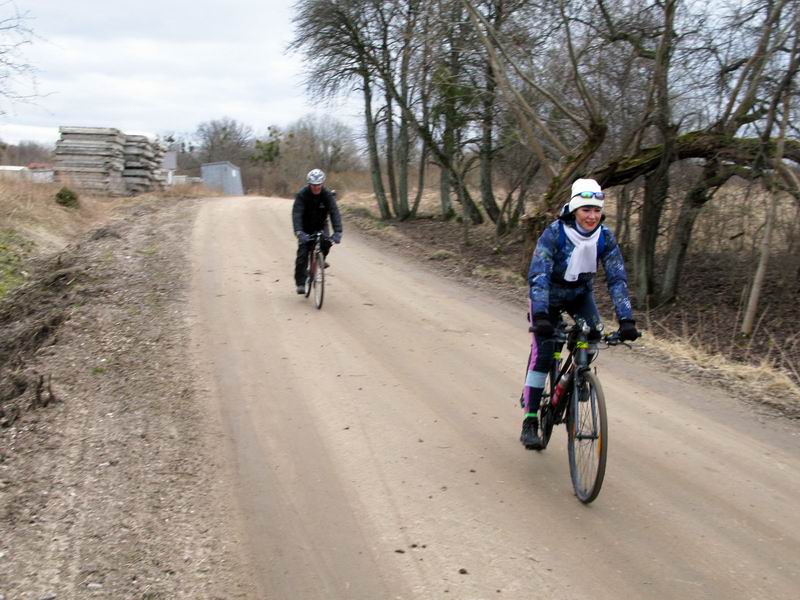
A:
(665, 100)
(274, 162)
(25, 153)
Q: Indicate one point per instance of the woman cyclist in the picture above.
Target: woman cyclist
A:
(561, 276)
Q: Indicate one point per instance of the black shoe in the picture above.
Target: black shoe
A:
(301, 289)
(530, 434)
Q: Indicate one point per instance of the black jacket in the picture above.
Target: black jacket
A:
(310, 212)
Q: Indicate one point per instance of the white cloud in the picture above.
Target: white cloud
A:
(30, 133)
(161, 66)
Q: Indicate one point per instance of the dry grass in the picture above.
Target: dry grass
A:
(33, 224)
(503, 275)
(759, 382)
(30, 210)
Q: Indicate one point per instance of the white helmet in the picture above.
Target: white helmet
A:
(315, 177)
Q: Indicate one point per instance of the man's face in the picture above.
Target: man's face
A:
(316, 188)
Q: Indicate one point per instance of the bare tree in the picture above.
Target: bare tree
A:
(334, 36)
(17, 76)
(783, 94)
(224, 139)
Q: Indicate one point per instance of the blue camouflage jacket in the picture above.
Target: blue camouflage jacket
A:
(549, 263)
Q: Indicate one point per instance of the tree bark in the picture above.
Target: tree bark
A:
(423, 160)
(486, 154)
(487, 134)
(390, 154)
(372, 148)
(656, 188)
(698, 196)
(784, 90)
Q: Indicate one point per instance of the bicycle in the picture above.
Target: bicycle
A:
(575, 397)
(315, 271)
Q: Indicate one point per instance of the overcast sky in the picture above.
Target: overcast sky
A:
(147, 66)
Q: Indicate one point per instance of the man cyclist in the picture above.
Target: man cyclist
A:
(561, 275)
(312, 207)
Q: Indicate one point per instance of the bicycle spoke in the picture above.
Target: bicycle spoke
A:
(587, 444)
(319, 280)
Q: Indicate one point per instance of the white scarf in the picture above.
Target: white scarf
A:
(584, 257)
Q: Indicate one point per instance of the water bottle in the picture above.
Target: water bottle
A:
(561, 386)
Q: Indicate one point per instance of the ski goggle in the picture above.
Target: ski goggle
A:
(598, 195)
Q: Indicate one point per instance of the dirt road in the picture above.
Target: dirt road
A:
(376, 454)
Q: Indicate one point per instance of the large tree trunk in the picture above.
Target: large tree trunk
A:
(449, 109)
(486, 155)
(444, 191)
(487, 130)
(423, 160)
(470, 209)
(761, 269)
(692, 205)
(690, 210)
(372, 149)
(403, 143)
(656, 188)
(622, 227)
(402, 160)
(390, 153)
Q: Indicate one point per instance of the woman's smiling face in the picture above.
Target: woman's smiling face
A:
(588, 217)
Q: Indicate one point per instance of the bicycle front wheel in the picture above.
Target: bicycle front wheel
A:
(309, 274)
(587, 428)
(319, 280)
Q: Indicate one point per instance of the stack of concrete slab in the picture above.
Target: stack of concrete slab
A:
(142, 165)
(159, 173)
(91, 159)
(107, 161)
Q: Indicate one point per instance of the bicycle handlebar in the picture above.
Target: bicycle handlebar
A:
(563, 330)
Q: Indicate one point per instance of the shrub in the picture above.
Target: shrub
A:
(66, 197)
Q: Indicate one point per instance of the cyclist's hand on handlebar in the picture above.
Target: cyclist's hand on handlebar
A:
(337, 237)
(542, 326)
(302, 236)
(628, 331)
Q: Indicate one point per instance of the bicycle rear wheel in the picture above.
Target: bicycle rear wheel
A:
(587, 428)
(319, 280)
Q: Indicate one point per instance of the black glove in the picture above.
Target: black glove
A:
(628, 331)
(542, 326)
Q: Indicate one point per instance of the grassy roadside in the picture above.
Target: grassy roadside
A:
(14, 249)
(485, 265)
(33, 224)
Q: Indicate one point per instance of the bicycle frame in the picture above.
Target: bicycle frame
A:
(581, 353)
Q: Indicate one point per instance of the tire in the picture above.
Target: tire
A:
(586, 416)
(319, 280)
(309, 276)
(546, 416)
